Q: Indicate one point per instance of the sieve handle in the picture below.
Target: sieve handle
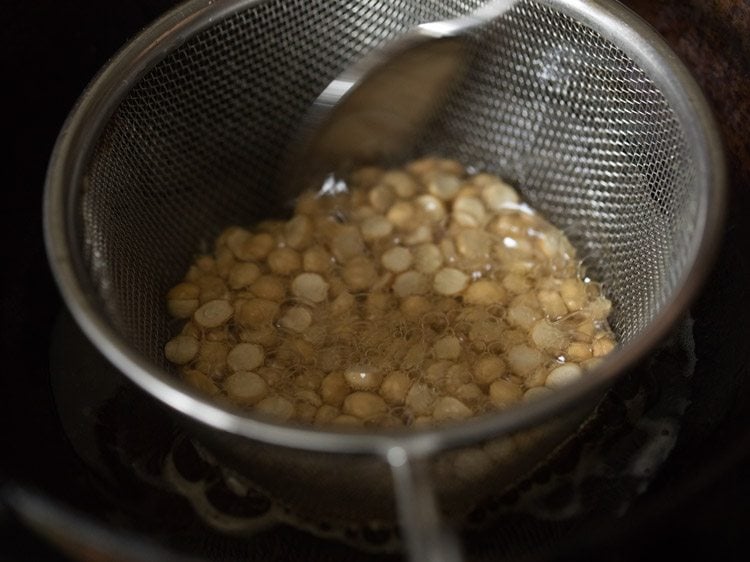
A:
(427, 537)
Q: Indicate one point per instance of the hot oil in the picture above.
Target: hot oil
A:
(482, 300)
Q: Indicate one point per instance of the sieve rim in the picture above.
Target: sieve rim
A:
(64, 186)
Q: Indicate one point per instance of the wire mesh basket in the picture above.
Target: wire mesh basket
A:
(184, 133)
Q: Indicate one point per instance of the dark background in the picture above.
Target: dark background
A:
(699, 506)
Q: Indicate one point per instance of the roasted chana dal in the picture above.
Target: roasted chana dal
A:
(402, 297)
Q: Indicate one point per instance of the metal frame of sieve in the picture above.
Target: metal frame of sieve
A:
(67, 185)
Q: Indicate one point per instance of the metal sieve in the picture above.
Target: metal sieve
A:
(183, 133)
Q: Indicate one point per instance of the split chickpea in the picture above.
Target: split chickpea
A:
(311, 287)
(397, 259)
(182, 300)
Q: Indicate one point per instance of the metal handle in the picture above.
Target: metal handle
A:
(427, 537)
(463, 24)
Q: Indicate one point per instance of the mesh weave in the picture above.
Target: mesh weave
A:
(549, 104)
